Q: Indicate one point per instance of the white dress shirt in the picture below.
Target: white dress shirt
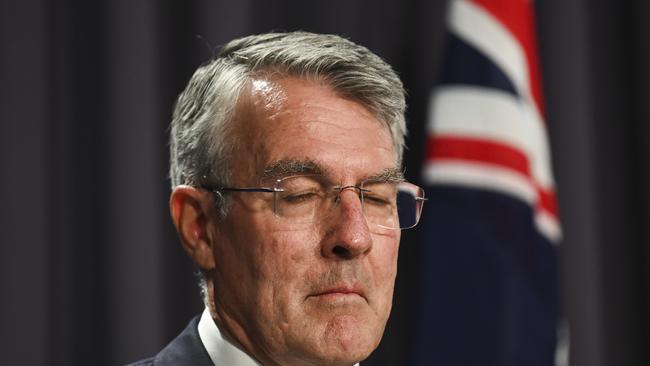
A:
(221, 350)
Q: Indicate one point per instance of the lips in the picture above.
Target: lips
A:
(340, 290)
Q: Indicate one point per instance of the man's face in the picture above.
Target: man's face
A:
(304, 294)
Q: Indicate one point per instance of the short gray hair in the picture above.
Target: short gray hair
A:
(199, 145)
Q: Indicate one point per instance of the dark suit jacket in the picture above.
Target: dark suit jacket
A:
(186, 350)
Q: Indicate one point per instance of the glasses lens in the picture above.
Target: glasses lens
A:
(380, 204)
(409, 204)
(299, 197)
(392, 205)
(307, 199)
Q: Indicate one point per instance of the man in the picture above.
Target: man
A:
(288, 195)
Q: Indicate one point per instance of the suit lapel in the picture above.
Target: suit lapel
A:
(185, 350)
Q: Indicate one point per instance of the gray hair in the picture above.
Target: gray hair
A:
(199, 144)
(200, 148)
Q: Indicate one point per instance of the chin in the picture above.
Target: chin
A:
(350, 340)
(338, 334)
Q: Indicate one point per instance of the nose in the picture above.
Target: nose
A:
(347, 235)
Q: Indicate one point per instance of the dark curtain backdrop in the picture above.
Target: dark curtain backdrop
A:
(91, 270)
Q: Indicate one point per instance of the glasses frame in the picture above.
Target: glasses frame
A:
(339, 190)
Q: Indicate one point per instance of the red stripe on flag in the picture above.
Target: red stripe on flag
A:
(519, 18)
(547, 201)
(478, 150)
(489, 152)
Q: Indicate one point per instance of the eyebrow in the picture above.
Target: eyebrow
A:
(393, 175)
(285, 168)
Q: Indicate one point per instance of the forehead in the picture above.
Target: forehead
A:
(290, 119)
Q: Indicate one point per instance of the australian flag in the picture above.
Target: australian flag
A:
(488, 290)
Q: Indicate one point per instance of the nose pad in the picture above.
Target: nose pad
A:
(358, 190)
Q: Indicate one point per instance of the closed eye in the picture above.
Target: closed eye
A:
(300, 197)
(376, 200)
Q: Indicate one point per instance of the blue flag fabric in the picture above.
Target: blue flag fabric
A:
(488, 284)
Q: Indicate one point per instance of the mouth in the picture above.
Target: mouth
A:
(340, 292)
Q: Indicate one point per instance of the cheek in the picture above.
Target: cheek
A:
(385, 248)
(285, 261)
(384, 263)
(286, 251)
(288, 268)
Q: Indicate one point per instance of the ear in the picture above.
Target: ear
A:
(192, 211)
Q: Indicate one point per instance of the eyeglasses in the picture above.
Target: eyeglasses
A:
(305, 199)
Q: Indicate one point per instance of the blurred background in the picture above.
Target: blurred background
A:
(91, 269)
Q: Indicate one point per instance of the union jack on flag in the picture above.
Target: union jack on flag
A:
(488, 285)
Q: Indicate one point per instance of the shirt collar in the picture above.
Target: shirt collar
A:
(220, 349)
